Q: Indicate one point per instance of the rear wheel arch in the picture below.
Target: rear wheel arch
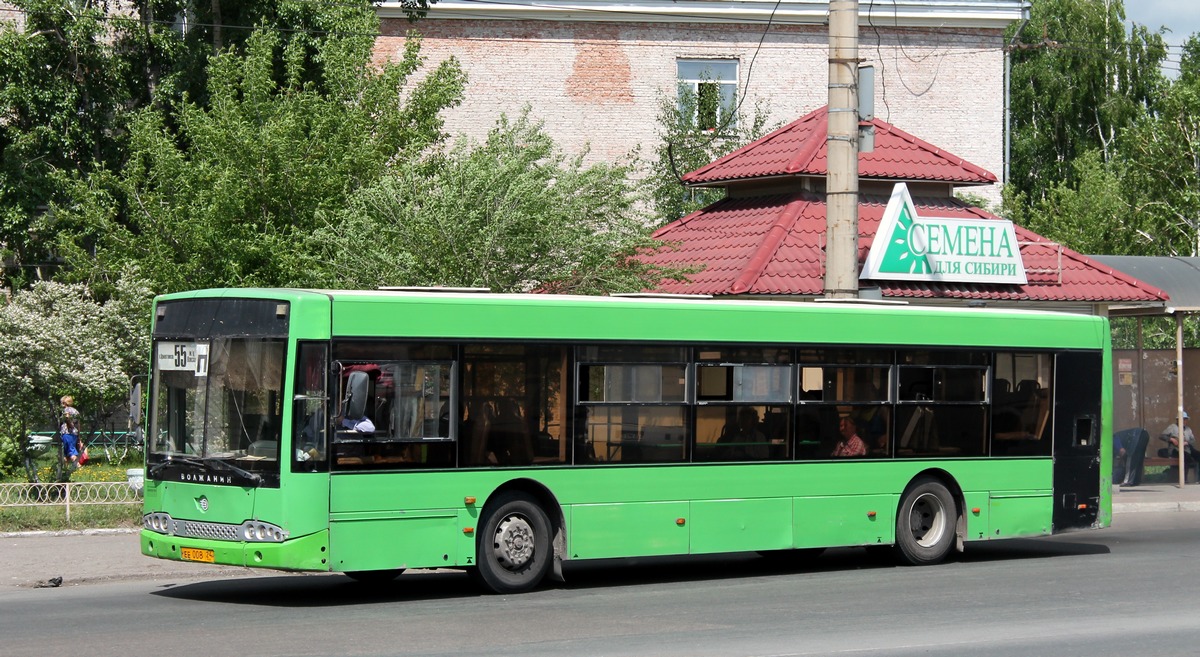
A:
(930, 520)
(549, 504)
(948, 481)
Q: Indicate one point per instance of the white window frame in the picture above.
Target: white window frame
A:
(691, 73)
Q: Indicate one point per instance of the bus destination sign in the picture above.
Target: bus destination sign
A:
(182, 357)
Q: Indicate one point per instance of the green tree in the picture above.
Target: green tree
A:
(64, 93)
(1078, 79)
(225, 198)
(1091, 213)
(1143, 197)
(511, 214)
(221, 26)
(1161, 159)
(58, 339)
(687, 146)
(1189, 61)
(77, 72)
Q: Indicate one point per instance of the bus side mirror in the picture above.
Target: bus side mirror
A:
(355, 403)
(135, 406)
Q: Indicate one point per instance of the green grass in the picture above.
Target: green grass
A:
(54, 518)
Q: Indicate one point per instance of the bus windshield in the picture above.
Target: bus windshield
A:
(217, 411)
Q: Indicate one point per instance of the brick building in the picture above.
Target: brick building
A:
(597, 71)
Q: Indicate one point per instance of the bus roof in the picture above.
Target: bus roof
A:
(471, 315)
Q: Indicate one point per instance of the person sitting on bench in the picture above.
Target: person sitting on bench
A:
(1171, 436)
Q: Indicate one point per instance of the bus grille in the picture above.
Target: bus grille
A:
(213, 530)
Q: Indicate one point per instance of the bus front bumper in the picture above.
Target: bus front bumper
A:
(304, 553)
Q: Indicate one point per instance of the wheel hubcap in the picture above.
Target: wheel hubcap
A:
(927, 519)
(514, 543)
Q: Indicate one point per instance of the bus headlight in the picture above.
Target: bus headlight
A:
(253, 531)
(159, 522)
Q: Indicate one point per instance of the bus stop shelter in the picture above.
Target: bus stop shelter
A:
(1179, 277)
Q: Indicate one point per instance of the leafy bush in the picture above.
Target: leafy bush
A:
(512, 213)
(10, 455)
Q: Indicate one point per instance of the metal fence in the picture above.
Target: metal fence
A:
(112, 445)
(69, 494)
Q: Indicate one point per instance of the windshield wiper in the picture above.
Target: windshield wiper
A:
(174, 460)
(252, 476)
(204, 463)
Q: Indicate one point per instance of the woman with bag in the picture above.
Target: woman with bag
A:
(74, 453)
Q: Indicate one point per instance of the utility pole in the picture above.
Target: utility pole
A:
(841, 145)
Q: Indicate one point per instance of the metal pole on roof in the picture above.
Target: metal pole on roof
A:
(1179, 394)
(841, 142)
(1140, 397)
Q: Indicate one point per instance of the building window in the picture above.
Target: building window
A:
(708, 91)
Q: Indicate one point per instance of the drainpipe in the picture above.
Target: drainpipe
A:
(1008, 48)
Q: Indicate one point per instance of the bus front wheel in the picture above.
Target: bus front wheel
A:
(925, 523)
(514, 552)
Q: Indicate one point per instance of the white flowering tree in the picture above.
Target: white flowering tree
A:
(57, 339)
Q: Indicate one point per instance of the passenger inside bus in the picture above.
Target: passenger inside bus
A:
(849, 444)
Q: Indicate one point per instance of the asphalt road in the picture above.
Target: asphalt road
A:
(1123, 591)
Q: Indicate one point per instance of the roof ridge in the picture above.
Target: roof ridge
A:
(801, 143)
(936, 150)
(812, 146)
(765, 139)
(769, 245)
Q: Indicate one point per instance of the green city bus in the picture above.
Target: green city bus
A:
(369, 432)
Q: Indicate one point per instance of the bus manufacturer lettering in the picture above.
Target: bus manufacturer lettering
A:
(205, 478)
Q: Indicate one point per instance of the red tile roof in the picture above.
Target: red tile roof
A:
(798, 149)
(774, 245)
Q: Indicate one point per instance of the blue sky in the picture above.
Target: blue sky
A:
(1182, 17)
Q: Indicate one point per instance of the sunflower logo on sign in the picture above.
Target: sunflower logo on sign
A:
(904, 244)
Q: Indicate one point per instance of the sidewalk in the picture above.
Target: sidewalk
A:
(34, 559)
(1156, 497)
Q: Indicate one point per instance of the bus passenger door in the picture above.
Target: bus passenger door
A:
(1077, 430)
(304, 498)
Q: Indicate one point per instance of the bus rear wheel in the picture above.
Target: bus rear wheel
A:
(514, 552)
(925, 523)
